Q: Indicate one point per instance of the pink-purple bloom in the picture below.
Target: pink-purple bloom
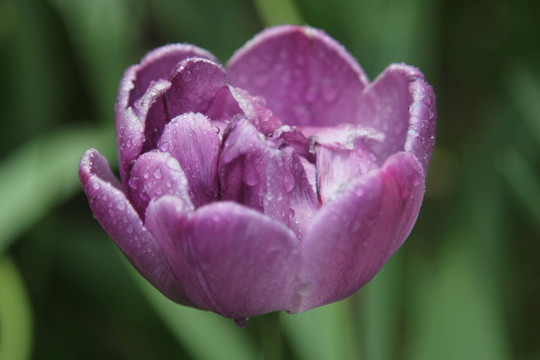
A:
(283, 181)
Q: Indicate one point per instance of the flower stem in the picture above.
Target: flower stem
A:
(271, 337)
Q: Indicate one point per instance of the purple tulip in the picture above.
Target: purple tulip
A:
(282, 182)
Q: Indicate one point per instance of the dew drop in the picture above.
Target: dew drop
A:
(164, 146)
(129, 229)
(95, 186)
(121, 205)
(187, 76)
(305, 289)
(157, 174)
(132, 182)
(241, 322)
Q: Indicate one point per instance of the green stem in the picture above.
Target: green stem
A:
(271, 337)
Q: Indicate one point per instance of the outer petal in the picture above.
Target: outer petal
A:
(401, 105)
(306, 77)
(155, 174)
(353, 235)
(194, 142)
(116, 215)
(231, 259)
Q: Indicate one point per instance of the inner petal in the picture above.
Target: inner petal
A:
(194, 141)
(342, 154)
(255, 171)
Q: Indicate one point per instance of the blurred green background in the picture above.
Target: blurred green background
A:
(464, 286)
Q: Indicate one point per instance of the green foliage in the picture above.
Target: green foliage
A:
(465, 284)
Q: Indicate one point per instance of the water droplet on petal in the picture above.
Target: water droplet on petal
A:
(95, 186)
(305, 289)
(132, 182)
(121, 205)
(129, 229)
(164, 146)
(241, 322)
(157, 174)
(187, 76)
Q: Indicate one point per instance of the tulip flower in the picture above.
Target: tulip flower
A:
(282, 181)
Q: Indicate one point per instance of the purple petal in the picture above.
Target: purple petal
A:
(402, 106)
(343, 153)
(129, 141)
(139, 125)
(353, 235)
(255, 110)
(157, 64)
(116, 215)
(256, 172)
(306, 77)
(155, 174)
(230, 259)
(195, 83)
(193, 140)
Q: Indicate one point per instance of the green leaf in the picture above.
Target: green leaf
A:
(203, 334)
(15, 313)
(323, 333)
(43, 173)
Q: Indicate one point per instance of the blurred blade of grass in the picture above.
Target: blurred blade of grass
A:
(526, 93)
(523, 180)
(278, 12)
(323, 333)
(41, 174)
(104, 34)
(380, 309)
(203, 334)
(456, 311)
(15, 313)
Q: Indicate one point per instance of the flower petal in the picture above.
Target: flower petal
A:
(230, 259)
(353, 235)
(306, 77)
(193, 141)
(195, 83)
(116, 215)
(400, 104)
(256, 172)
(157, 64)
(129, 141)
(343, 153)
(255, 110)
(155, 174)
